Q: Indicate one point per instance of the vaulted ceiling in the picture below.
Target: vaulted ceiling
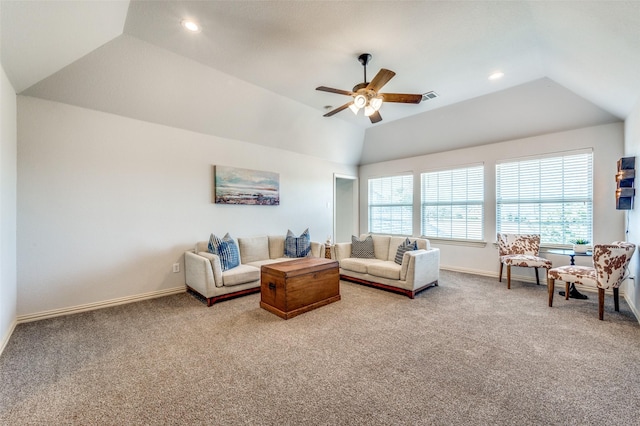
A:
(129, 57)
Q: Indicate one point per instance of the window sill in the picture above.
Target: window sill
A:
(451, 242)
(545, 249)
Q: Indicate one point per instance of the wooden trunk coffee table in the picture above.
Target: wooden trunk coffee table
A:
(293, 287)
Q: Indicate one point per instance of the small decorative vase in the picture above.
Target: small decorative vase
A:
(580, 248)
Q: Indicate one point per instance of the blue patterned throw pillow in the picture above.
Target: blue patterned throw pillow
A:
(297, 246)
(227, 249)
(362, 249)
(406, 246)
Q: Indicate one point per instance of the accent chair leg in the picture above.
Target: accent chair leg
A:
(601, 303)
(508, 277)
(537, 278)
(616, 300)
(566, 290)
(500, 276)
(550, 286)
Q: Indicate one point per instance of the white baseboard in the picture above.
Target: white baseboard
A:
(484, 273)
(633, 308)
(98, 305)
(6, 337)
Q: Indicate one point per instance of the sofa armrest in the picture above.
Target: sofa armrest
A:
(203, 272)
(423, 267)
(342, 251)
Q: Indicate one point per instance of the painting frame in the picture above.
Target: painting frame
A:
(235, 185)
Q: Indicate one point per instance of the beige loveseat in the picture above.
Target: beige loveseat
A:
(419, 269)
(204, 274)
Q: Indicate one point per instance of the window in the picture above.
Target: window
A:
(453, 203)
(551, 196)
(391, 205)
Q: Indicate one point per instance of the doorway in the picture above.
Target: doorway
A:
(345, 213)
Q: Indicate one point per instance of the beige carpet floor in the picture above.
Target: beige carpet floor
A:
(464, 353)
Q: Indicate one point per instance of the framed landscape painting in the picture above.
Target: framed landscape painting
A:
(243, 186)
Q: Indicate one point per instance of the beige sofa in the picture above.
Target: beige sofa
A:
(204, 275)
(420, 268)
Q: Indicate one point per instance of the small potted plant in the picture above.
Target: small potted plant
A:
(580, 245)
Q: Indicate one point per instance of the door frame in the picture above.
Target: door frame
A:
(354, 201)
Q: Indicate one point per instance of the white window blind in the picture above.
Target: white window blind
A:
(550, 196)
(453, 203)
(391, 205)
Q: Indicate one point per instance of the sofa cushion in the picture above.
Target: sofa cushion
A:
(259, 263)
(394, 243)
(202, 246)
(423, 244)
(276, 246)
(240, 275)
(385, 269)
(381, 247)
(297, 246)
(226, 249)
(406, 246)
(253, 248)
(357, 265)
(362, 248)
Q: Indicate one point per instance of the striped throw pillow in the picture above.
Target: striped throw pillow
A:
(406, 246)
(227, 249)
(297, 246)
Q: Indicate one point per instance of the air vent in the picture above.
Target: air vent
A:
(429, 95)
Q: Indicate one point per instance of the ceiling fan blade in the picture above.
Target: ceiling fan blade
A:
(382, 78)
(404, 98)
(337, 110)
(375, 117)
(332, 90)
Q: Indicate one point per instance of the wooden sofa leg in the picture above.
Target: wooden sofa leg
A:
(601, 303)
(616, 300)
(550, 285)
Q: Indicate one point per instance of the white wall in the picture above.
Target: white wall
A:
(606, 141)
(8, 289)
(107, 204)
(631, 288)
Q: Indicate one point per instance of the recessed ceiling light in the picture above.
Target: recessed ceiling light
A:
(190, 25)
(496, 75)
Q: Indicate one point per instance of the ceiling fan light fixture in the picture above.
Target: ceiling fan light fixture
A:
(368, 110)
(366, 95)
(376, 103)
(360, 101)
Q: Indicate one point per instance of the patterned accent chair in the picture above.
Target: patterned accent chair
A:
(610, 263)
(520, 250)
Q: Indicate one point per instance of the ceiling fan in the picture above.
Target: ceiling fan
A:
(365, 95)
